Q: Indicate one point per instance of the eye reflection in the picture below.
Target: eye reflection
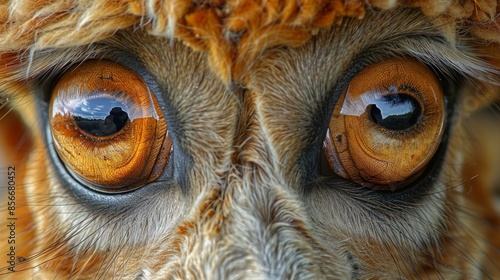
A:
(101, 116)
(395, 111)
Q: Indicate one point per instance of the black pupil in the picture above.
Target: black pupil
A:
(395, 111)
(101, 116)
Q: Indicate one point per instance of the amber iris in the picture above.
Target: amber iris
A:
(107, 127)
(387, 125)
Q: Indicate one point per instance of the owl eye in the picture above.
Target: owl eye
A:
(387, 125)
(107, 127)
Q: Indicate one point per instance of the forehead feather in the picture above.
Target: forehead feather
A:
(233, 32)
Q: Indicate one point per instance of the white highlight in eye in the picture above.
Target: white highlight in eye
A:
(66, 106)
(356, 106)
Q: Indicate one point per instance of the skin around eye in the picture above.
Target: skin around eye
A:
(107, 127)
(387, 125)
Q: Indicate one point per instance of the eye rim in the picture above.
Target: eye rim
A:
(159, 171)
(170, 186)
(409, 188)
